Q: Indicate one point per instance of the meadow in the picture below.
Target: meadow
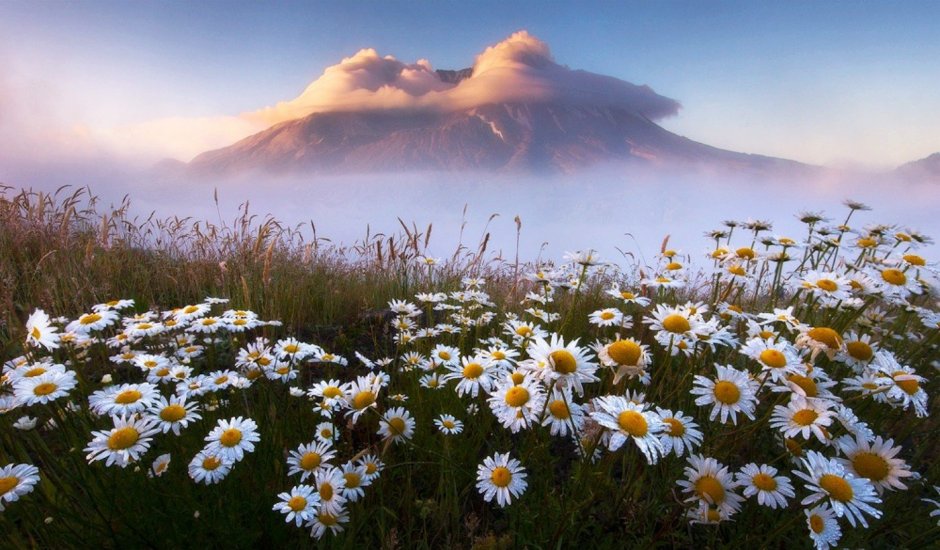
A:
(182, 383)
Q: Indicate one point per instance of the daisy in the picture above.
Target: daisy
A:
(628, 356)
(40, 332)
(373, 466)
(232, 438)
(325, 432)
(309, 458)
(777, 359)
(92, 322)
(44, 388)
(523, 331)
(820, 340)
(823, 526)
(553, 360)
(875, 461)
(502, 477)
(628, 297)
(208, 468)
(361, 395)
(113, 304)
(160, 465)
(206, 325)
(859, 351)
(517, 405)
(680, 432)
(124, 443)
(474, 373)
(448, 424)
(174, 413)
(849, 496)
(144, 329)
(356, 481)
(672, 325)
(445, 355)
(771, 490)
(607, 317)
(329, 483)
(628, 420)
(432, 381)
(894, 283)
(731, 392)
(300, 504)
(124, 399)
(804, 417)
(148, 362)
(562, 414)
(709, 483)
(190, 312)
(326, 519)
(330, 391)
(397, 424)
(830, 287)
(16, 480)
(904, 384)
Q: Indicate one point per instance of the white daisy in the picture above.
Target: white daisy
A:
(628, 420)
(849, 496)
(16, 480)
(309, 458)
(562, 414)
(555, 361)
(823, 526)
(47, 387)
(731, 392)
(397, 424)
(502, 477)
(473, 373)
(517, 405)
(208, 468)
(330, 482)
(327, 520)
(875, 461)
(174, 413)
(355, 477)
(40, 332)
(123, 399)
(232, 438)
(448, 424)
(681, 433)
(160, 465)
(124, 443)
(771, 490)
(804, 417)
(299, 505)
(709, 483)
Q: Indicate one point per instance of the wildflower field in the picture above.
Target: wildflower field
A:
(176, 383)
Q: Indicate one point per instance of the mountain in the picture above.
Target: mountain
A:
(925, 169)
(530, 136)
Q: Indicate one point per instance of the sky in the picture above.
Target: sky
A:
(836, 83)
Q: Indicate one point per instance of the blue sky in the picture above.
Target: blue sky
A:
(835, 82)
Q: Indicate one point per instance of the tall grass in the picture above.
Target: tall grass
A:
(65, 251)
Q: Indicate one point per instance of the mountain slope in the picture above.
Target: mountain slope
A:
(925, 169)
(527, 136)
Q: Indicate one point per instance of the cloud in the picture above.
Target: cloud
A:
(518, 69)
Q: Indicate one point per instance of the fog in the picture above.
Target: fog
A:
(607, 209)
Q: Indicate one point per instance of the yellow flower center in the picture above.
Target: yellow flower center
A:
(145, 326)
(150, 363)
(444, 355)
(827, 284)
(910, 386)
(35, 371)
(297, 503)
(867, 242)
(894, 276)
(331, 392)
(352, 479)
(745, 252)
(472, 371)
(859, 350)
(172, 413)
(737, 270)
(674, 427)
(524, 331)
(676, 323)
(498, 355)
(816, 523)
(396, 425)
(807, 384)
(7, 484)
(870, 465)
(827, 336)
(805, 417)
(501, 476)
(607, 315)
(708, 486)
(559, 409)
(326, 491)
(190, 309)
(211, 463)
(291, 348)
(208, 322)
(673, 266)
(310, 461)
(363, 399)
(517, 378)
(727, 392)
(773, 358)
(123, 438)
(633, 423)
(327, 519)
(371, 468)
(793, 446)
(517, 396)
(231, 437)
(914, 259)
(127, 396)
(44, 389)
(563, 361)
(837, 487)
(625, 352)
(764, 482)
(449, 424)
(628, 295)
(89, 319)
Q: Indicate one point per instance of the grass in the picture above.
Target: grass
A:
(65, 252)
